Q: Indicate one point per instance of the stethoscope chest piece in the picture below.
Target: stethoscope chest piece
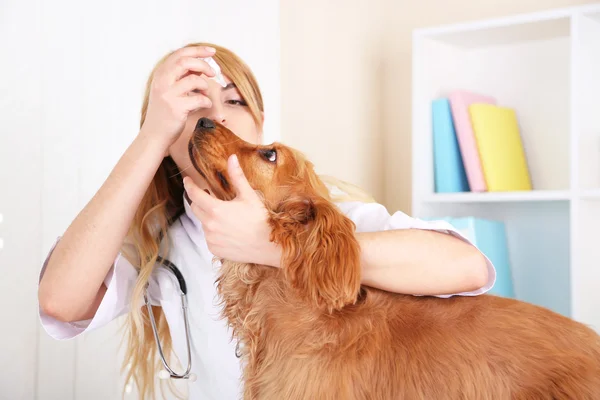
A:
(164, 374)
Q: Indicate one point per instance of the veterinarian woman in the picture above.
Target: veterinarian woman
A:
(99, 268)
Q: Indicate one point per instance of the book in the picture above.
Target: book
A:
(460, 100)
(449, 171)
(500, 148)
(490, 237)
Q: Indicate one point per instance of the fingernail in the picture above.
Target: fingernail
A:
(235, 161)
(211, 49)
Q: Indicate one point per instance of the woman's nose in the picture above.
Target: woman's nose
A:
(221, 119)
(217, 113)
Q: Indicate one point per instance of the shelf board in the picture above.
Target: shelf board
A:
(537, 26)
(513, 29)
(498, 197)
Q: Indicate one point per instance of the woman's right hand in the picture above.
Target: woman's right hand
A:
(177, 90)
(72, 285)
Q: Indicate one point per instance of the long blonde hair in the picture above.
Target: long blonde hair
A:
(161, 205)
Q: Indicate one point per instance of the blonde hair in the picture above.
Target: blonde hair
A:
(161, 205)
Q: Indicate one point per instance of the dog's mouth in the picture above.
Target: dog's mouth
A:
(217, 181)
(192, 153)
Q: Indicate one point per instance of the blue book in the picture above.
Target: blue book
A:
(490, 237)
(449, 170)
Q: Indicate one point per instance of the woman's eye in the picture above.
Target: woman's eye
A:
(270, 155)
(237, 102)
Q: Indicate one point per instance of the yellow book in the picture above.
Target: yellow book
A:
(498, 138)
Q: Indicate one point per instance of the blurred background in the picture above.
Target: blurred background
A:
(337, 80)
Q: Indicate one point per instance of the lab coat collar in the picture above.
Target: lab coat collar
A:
(195, 223)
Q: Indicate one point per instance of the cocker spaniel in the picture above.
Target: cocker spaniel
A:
(310, 330)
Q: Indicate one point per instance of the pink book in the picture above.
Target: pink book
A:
(460, 100)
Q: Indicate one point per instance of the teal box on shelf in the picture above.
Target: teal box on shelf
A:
(448, 168)
(490, 237)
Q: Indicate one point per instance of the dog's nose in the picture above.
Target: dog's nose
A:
(204, 124)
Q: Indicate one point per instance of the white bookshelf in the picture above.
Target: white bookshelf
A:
(546, 66)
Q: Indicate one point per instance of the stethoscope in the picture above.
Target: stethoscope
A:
(168, 372)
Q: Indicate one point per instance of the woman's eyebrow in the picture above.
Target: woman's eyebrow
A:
(229, 86)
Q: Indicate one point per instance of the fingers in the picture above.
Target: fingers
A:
(184, 61)
(204, 206)
(200, 213)
(195, 102)
(190, 83)
(190, 89)
(194, 51)
(238, 179)
(185, 65)
(199, 197)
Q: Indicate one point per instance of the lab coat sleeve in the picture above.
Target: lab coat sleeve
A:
(372, 217)
(119, 281)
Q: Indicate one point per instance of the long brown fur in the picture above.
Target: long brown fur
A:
(309, 330)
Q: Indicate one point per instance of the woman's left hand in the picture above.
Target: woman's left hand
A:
(235, 230)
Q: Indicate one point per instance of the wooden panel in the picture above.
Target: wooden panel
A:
(20, 182)
(61, 123)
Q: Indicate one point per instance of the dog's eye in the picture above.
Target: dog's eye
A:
(270, 155)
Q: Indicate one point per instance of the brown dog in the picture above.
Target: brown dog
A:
(310, 331)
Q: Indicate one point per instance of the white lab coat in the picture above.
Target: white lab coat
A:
(213, 352)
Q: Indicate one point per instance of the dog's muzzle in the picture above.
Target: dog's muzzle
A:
(205, 124)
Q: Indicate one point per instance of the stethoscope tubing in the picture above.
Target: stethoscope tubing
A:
(184, 306)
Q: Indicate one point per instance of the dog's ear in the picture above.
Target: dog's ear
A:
(321, 256)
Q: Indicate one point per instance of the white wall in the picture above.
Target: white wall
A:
(71, 84)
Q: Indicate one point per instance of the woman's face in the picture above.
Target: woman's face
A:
(228, 108)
